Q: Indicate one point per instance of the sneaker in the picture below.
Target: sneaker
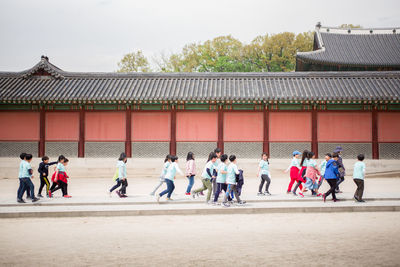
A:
(294, 193)
(201, 193)
(267, 193)
(67, 196)
(169, 199)
(260, 194)
(241, 202)
(361, 200)
(226, 204)
(123, 195)
(188, 194)
(301, 194)
(194, 195)
(35, 199)
(21, 201)
(118, 193)
(214, 203)
(288, 192)
(50, 194)
(39, 195)
(335, 200)
(319, 194)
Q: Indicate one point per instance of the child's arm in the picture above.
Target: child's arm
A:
(258, 172)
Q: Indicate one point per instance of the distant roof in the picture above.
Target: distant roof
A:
(374, 47)
(45, 82)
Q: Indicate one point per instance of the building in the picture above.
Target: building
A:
(338, 49)
(45, 110)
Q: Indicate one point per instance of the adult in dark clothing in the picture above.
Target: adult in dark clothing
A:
(341, 169)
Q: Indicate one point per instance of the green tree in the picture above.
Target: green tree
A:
(134, 62)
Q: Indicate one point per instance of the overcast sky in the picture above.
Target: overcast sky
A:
(93, 35)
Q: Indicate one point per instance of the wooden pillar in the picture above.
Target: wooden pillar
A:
(172, 143)
(220, 143)
(375, 143)
(81, 142)
(266, 130)
(128, 138)
(314, 131)
(42, 132)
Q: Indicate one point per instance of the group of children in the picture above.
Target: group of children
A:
(25, 175)
(331, 169)
(220, 173)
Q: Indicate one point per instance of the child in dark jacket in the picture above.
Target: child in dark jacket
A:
(331, 176)
(44, 174)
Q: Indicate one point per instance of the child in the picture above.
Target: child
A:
(43, 174)
(218, 152)
(294, 170)
(263, 173)
(167, 162)
(358, 177)
(300, 177)
(190, 171)
(311, 176)
(169, 178)
(221, 177)
(207, 175)
(331, 176)
(60, 178)
(120, 176)
(322, 167)
(231, 181)
(25, 176)
(341, 169)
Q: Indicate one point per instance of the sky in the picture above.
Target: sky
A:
(93, 35)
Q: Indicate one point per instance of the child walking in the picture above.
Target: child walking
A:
(231, 181)
(263, 173)
(25, 178)
(358, 177)
(60, 179)
(218, 152)
(311, 176)
(167, 162)
(300, 178)
(322, 168)
(190, 172)
(331, 176)
(294, 169)
(44, 174)
(221, 178)
(169, 178)
(120, 177)
(207, 175)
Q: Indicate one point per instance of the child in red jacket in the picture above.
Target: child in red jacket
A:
(59, 179)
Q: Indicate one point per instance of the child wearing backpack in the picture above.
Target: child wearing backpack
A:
(120, 177)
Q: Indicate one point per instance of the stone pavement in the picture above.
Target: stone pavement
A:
(90, 198)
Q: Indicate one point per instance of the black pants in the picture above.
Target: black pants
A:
(122, 182)
(44, 181)
(60, 185)
(360, 189)
(220, 187)
(264, 179)
(332, 183)
(341, 179)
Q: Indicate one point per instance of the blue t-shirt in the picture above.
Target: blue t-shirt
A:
(221, 177)
(24, 169)
(209, 165)
(60, 167)
(264, 167)
(232, 171)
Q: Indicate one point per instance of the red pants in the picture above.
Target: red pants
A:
(294, 176)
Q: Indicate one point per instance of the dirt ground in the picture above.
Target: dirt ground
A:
(337, 239)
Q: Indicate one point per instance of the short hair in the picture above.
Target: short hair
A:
(335, 155)
(66, 160)
(224, 157)
(217, 150)
(45, 158)
(213, 155)
(232, 158)
(329, 155)
(22, 155)
(28, 156)
(361, 157)
(174, 158)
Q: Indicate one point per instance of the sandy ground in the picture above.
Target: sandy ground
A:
(340, 239)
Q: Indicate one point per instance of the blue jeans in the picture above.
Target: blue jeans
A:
(191, 183)
(25, 184)
(170, 188)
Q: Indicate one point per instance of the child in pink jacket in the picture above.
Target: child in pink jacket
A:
(190, 171)
(311, 176)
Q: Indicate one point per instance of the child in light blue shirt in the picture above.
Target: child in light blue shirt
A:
(263, 173)
(358, 177)
(231, 181)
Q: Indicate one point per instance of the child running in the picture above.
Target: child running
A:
(221, 178)
(300, 177)
(311, 176)
(169, 178)
(190, 172)
(25, 175)
(294, 169)
(231, 181)
(207, 175)
(44, 175)
(167, 162)
(322, 167)
(120, 177)
(60, 179)
(358, 177)
(331, 176)
(263, 173)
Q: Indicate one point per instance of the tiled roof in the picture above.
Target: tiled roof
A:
(354, 47)
(71, 86)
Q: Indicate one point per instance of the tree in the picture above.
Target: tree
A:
(134, 62)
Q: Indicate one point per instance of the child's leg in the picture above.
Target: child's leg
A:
(235, 191)
(268, 182)
(261, 184)
(169, 186)
(124, 183)
(228, 191)
(172, 188)
(190, 185)
(63, 187)
(214, 184)
(320, 181)
(21, 188)
(219, 189)
(201, 189)
(116, 186)
(296, 186)
(31, 188)
(42, 183)
(157, 186)
(292, 180)
(209, 189)
(46, 180)
(53, 186)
